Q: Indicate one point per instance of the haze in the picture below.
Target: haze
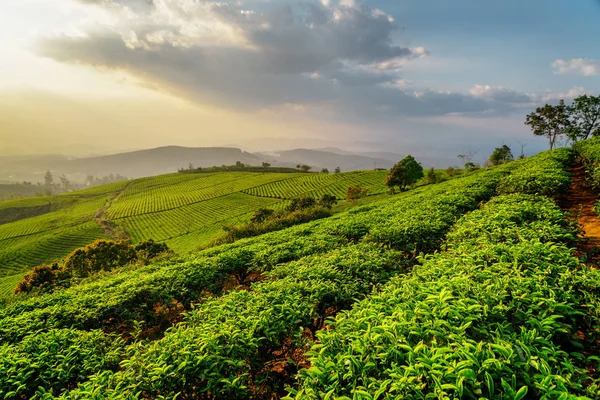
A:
(432, 78)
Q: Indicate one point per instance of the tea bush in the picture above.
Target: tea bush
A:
(506, 312)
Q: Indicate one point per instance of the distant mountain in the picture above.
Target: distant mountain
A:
(168, 159)
(132, 164)
(426, 162)
(326, 159)
(160, 160)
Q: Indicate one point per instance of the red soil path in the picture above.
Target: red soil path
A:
(581, 199)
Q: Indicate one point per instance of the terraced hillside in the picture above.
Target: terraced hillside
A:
(183, 210)
(466, 289)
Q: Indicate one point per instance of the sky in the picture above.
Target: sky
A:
(434, 78)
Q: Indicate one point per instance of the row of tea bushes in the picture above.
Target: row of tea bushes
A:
(507, 311)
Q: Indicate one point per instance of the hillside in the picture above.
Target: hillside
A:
(183, 210)
(163, 160)
(478, 293)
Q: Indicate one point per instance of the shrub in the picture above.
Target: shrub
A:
(102, 255)
(327, 201)
(453, 171)
(149, 249)
(262, 214)
(275, 223)
(355, 192)
(42, 278)
(301, 203)
(433, 176)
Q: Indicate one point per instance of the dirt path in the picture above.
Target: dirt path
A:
(580, 200)
(108, 226)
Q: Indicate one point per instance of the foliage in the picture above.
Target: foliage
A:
(262, 214)
(226, 343)
(183, 210)
(588, 151)
(102, 255)
(337, 170)
(432, 176)
(49, 362)
(355, 192)
(301, 203)
(324, 171)
(584, 117)
(276, 222)
(41, 278)
(327, 201)
(544, 174)
(501, 155)
(240, 343)
(550, 121)
(405, 173)
(303, 167)
(500, 314)
(149, 249)
(452, 171)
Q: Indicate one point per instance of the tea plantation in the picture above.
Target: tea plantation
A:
(470, 288)
(184, 210)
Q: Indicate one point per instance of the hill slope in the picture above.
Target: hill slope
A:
(183, 210)
(497, 306)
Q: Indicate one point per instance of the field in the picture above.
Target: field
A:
(183, 210)
(470, 288)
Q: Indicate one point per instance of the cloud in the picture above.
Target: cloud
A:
(501, 94)
(569, 95)
(578, 66)
(324, 58)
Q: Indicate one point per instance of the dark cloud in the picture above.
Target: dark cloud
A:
(308, 54)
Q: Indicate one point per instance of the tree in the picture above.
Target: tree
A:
(65, 183)
(337, 170)
(49, 183)
(301, 203)
(584, 115)
(304, 167)
(501, 155)
(327, 201)
(550, 121)
(190, 166)
(405, 173)
(433, 176)
(467, 159)
(262, 214)
(355, 192)
(266, 165)
(453, 171)
(89, 180)
(324, 171)
(239, 164)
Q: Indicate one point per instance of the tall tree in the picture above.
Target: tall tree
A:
(550, 121)
(65, 183)
(405, 173)
(49, 183)
(584, 114)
